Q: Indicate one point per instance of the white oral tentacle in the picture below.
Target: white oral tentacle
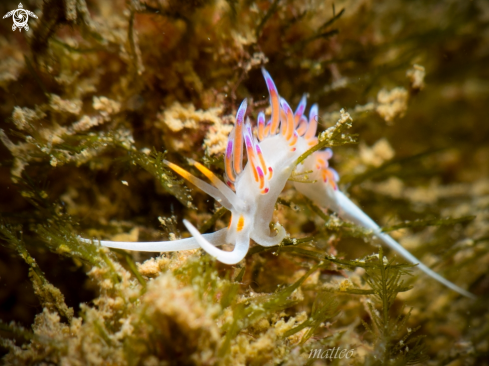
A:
(215, 239)
(267, 240)
(240, 248)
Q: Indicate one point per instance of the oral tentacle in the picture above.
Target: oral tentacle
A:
(217, 238)
(264, 238)
(240, 248)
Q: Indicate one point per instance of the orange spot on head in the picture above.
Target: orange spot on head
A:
(240, 225)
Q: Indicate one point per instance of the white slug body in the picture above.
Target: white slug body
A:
(250, 192)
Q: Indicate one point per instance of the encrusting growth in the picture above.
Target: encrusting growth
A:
(250, 192)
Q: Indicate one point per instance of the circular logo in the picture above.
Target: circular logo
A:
(20, 17)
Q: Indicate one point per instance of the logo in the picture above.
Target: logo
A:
(20, 17)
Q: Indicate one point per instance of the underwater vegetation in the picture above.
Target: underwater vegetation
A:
(105, 106)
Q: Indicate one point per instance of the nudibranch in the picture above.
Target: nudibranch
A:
(251, 190)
